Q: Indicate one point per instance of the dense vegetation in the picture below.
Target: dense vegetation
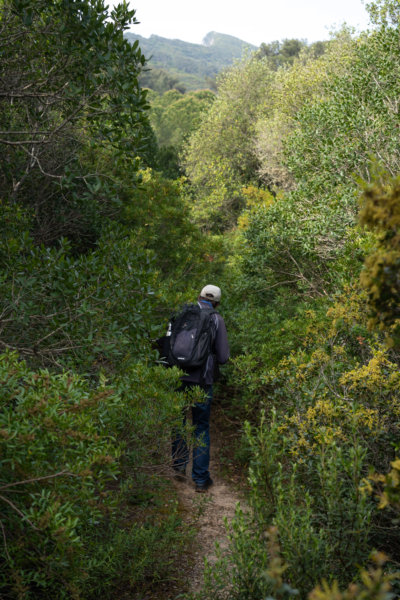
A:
(282, 188)
(88, 259)
(315, 378)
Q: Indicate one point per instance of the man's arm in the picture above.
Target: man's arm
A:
(221, 345)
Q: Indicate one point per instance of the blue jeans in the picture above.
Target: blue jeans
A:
(201, 451)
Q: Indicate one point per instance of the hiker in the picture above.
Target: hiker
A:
(202, 376)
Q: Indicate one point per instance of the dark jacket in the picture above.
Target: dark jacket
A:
(206, 374)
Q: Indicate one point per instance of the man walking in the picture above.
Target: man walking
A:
(202, 376)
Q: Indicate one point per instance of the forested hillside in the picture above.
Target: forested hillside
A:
(283, 189)
(194, 65)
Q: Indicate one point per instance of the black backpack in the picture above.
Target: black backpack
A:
(192, 336)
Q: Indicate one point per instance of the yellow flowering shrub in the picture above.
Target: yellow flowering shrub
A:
(255, 197)
(381, 213)
(386, 487)
(379, 374)
(375, 584)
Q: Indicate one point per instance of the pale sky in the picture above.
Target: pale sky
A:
(253, 21)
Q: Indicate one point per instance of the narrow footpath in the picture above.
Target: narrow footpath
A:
(211, 508)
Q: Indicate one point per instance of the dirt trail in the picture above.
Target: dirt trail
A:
(213, 507)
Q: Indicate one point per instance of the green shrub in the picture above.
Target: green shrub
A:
(87, 312)
(72, 457)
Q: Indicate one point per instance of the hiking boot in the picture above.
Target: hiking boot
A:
(203, 487)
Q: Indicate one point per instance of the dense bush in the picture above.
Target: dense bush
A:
(97, 250)
(73, 457)
(59, 98)
(315, 384)
(88, 312)
(87, 266)
(220, 157)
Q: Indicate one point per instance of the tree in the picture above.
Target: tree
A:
(355, 118)
(298, 83)
(220, 157)
(241, 139)
(281, 53)
(384, 12)
(160, 81)
(68, 78)
(175, 116)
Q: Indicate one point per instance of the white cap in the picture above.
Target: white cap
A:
(212, 292)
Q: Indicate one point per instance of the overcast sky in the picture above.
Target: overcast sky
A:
(253, 21)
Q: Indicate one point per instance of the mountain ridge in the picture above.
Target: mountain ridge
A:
(193, 64)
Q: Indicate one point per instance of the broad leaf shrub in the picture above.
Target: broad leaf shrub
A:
(330, 412)
(354, 118)
(174, 115)
(161, 218)
(328, 391)
(220, 157)
(96, 314)
(89, 273)
(75, 55)
(99, 309)
(312, 376)
(87, 312)
(72, 499)
(374, 584)
(336, 408)
(299, 245)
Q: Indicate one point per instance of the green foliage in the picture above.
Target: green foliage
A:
(329, 398)
(380, 277)
(168, 163)
(87, 312)
(241, 139)
(384, 12)
(329, 410)
(318, 387)
(71, 454)
(291, 88)
(174, 116)
(96, 310)
(97, 250)
(161, 220)
(220, 157)
(160, 81)
(386, 487)
(86, 268)
(355, 119)
(293, 245)
(71, 84)
(242, 571)
(281, 54)
(375, 584)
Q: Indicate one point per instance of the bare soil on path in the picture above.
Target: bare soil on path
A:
(209, 510)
